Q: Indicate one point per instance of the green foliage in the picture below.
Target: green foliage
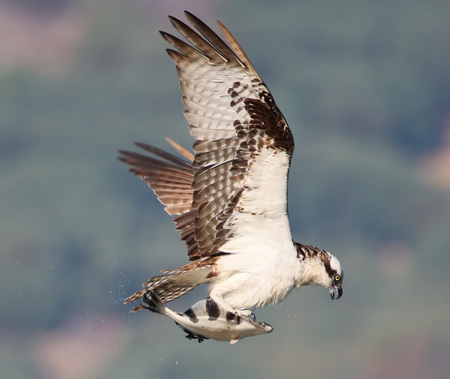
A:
(365, 88)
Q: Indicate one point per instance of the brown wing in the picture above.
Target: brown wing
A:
(234, 118)
(170, 178)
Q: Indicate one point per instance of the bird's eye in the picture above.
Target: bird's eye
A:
(337, 278)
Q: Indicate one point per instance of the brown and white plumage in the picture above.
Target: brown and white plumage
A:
(230, 198)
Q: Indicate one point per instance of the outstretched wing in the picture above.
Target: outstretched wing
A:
(243, 147)
(170, 178)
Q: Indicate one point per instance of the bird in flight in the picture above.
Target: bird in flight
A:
(230, 196)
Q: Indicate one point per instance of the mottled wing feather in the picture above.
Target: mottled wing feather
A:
(185, 223)
(171, 181)
(234, 119)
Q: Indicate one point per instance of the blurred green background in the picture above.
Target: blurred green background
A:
(365, 87)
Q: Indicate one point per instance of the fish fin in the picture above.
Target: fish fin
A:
(234, 340)
(151, 302)
(191, 336)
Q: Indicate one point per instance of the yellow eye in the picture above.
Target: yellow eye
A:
(337, 278)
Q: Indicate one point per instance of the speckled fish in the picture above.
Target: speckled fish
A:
(207, 319)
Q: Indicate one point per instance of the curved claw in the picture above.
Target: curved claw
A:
(245, 313)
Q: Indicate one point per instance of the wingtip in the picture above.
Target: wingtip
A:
(190, 15)
(173, 19)
(238, 50)
(124, 156)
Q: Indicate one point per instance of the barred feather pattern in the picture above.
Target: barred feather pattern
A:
(164, 287)
(170, 178)
(232, 115)
(231, 202)
(175, 283)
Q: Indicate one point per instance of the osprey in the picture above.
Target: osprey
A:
(230, 198)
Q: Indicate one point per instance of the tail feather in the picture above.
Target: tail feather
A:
(172, 285)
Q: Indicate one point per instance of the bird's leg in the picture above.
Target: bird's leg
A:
(218, 298)
(245, 313)
(230, 291)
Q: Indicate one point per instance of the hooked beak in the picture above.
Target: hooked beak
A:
(335, 292)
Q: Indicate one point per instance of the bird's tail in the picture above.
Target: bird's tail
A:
(173, 284)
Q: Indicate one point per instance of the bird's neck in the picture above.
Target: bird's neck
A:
(311, 266)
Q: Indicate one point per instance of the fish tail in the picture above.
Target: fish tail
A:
(152, 302)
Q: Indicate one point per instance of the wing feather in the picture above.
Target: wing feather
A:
(234, 118)
(170, 178)
(233, 195)
(237, 49)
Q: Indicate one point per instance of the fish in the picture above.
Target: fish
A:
(208, 320)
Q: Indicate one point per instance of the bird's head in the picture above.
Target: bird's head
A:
(336, 275)
(319, 267)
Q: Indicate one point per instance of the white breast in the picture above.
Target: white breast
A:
(263, 263)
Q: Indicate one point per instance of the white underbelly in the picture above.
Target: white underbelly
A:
(259, 284)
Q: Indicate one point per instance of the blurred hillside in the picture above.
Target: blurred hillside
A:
(365, 87)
